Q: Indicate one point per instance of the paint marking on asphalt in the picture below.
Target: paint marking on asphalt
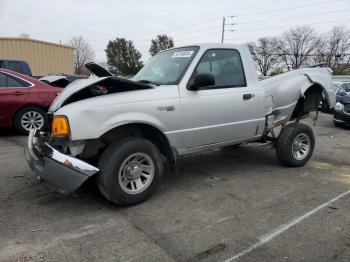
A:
(282, 228)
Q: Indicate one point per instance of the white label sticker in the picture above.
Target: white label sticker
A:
(182, 54)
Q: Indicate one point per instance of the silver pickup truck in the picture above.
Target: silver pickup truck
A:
(183, 101)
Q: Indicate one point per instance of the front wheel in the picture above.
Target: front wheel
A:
(130, 171)
(295, 145)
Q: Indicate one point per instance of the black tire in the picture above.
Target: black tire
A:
(284, 145)
(17, 121)
(111, 162)
(337, 124)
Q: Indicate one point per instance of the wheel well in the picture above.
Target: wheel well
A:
(309, 102)
(146, 131)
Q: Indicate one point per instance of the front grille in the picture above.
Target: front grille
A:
(347, 108)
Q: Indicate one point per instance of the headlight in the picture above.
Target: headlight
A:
(339, 106)
(60, 126)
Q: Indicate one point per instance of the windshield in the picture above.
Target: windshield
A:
(346, 87)
(168, 67)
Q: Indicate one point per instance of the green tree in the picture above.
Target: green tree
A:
(162, 42)
(122, 54)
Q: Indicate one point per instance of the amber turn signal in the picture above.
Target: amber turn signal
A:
(60, 126)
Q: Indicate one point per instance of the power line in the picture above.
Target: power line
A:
(290, 8)
(277, 27)
(240, 15)
(224, 27)
(242, 39)
(198, 31)
(224, 24)
(146, 43)
(298, 54)
(177, 40)
(177, 28)
(207, 34)
(192, 32)
(175, 35)
(291, 17)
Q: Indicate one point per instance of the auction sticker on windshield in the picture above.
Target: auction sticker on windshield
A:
(182, 54)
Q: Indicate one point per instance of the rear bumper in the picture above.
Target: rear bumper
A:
(63, 172)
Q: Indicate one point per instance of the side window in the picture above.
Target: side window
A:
(225, 65)
(15, 66)
(2, 64)
(14, 82)
(2, 80)
(9, 81)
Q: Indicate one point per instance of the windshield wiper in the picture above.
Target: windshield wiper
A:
(145, 81)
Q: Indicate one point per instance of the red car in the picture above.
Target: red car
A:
(24, 101)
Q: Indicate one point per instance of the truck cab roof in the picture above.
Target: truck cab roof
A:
(19, 66)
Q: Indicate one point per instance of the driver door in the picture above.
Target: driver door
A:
(226, 111)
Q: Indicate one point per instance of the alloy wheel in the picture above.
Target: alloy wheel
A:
(136, 173)
(32, 120)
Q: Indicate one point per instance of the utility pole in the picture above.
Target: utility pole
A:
(223, 30)
(224, 24)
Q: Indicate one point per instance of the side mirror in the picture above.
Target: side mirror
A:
(201, 80)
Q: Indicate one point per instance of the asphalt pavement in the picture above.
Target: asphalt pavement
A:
(236, 204)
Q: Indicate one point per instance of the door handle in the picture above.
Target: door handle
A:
(247, 96)
(17, 93)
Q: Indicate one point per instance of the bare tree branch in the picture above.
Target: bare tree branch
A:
(297, 45)
(334, 49)
(83, 53)
(264, 54)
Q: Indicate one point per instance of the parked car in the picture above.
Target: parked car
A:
(183, 101)
(18, 66)
(61, 80)
(343, 89)
(24, 101)
(341, 115)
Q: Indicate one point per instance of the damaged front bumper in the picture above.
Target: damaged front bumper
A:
(63, 172)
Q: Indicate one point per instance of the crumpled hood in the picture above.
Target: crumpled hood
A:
(114, 84)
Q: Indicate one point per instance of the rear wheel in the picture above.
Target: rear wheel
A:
(28, 118)
(295, 145)
(130, 171)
